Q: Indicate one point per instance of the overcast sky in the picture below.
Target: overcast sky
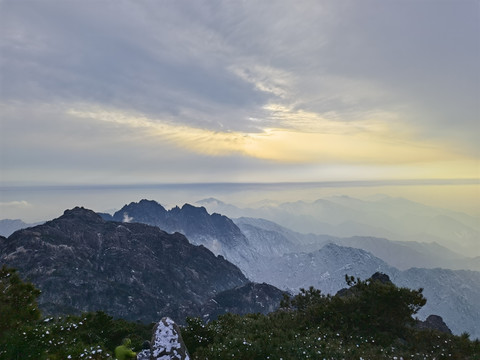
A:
(101, 92)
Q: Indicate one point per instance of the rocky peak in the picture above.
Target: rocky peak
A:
(195, 210)
(148, 205)
(433, 322)
(81, 214)
(145, 211)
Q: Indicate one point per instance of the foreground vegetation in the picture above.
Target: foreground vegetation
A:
(372, 320)
(24, 335)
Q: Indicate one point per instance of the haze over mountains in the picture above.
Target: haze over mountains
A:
(9, 226)
(268, 252)
(400, 254)
(264, 251)
(380, 216)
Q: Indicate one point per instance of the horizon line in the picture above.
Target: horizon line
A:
(331, 183)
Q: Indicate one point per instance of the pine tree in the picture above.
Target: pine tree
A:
(18, 301)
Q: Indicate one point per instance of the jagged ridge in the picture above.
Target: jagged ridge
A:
(83, 263)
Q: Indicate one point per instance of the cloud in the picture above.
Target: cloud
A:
(126, 218)
(265, 78)
(305, 138)
(236, 88)
(19, 204)
(217, 65)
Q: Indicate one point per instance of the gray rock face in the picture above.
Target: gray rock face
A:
(133, 271)
(144, 355)
(434, 322)
(167, 342)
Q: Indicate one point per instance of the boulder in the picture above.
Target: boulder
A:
(144, 355)
(146, 352)
(167, 342)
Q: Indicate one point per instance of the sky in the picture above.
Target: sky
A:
(161, 92)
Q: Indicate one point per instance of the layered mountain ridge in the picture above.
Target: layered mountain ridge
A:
(383, 217)
(265, 251)
(291, 260)
(400, 254)
(138, 272)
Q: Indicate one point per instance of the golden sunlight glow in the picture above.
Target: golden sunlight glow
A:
(306, 138)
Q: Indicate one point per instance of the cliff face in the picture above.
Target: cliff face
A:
(138, 272)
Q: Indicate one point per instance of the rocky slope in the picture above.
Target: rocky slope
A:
(134, 271)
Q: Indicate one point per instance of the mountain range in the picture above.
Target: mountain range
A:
(400, 254)
(134, 271)
(264, 251)
(290, 260)
(381, 216)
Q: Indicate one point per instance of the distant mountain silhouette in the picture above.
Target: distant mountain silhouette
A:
(9, 226)
(267, 237)
(383, 217)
